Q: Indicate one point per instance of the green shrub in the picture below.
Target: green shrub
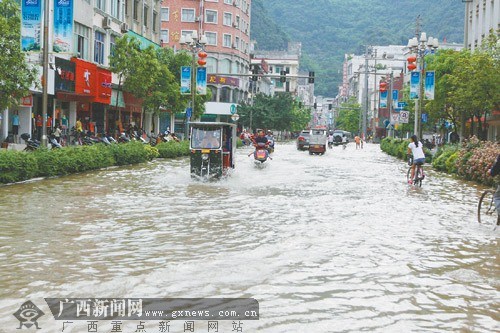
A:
(129, 153)
(451, 163)
(16, 166)
(173, 149)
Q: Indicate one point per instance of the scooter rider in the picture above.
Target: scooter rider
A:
(261, 138)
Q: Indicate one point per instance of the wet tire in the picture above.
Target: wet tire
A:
(486, 212)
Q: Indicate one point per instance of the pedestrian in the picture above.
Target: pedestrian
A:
(357, 139)
(15, 126)
(39, 125)
(57, 133)
(78, 131)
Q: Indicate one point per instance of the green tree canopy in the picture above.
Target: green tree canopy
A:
(16, 76)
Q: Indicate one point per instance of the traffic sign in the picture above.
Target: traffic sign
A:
(404, 116)
(424, 117)
(402, 105)
(232, 108)
(235, 117)
(189, 112)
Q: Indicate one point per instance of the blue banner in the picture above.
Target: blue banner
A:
(62, 41)
(395, 97)
(429, 85)
(383, 99)
(185, 80)
(31, 25)
(201, 80)
(414, 85)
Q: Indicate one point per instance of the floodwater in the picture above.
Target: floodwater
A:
(333, 243)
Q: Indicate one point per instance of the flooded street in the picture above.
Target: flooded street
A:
(333, 243)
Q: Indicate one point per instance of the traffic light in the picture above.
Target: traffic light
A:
(311, 77)
(255, 72)
(283, 76)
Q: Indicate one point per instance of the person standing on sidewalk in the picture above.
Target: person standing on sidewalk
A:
(15, 126)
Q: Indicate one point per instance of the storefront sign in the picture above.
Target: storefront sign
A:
(103, 86)
(31, 29)
(65, 75)
(27, 101)
(63, 26)
(86, 77)
(223, 80)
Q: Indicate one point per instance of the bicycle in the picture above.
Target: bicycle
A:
(486, 209)
(419, 173)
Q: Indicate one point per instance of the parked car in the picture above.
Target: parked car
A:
(303, 140)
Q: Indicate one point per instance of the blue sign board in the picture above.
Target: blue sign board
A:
(402, 105)
(189, 112)
(424, 117)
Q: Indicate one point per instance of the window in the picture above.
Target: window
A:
(155, 19)
(82, 36)
(210, 16)
(228, 2)
(226, 40)
(236, 44)
(145, 16)
(211, 38)
(112, 44)
(99, 47)
(228, 19)
(101, 4)
(187, 15)
(165, 14)
(116, 9)
(136, 10)
(225, 66)
(211, 65)
(164, 37)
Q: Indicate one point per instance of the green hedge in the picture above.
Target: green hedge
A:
(399, 147)
(17, 166)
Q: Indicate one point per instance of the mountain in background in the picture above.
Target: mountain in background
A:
(328, 29)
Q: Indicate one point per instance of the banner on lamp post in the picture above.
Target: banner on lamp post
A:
(383, 99)
(395, 98)
(201, 81)
(185, 80)
(430, 83)
(31, 25)
(414, 84)
(63, 26)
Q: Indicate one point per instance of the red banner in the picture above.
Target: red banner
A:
(86, 77)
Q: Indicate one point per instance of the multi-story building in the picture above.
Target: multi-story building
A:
(82, 35)
(226, 25)
(481, 16)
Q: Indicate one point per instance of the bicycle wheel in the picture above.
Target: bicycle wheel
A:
(486, 212)
(419, 175)
(408, 174)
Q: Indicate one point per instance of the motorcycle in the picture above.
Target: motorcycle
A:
(53, 142)
(260, 154)
(31, 145)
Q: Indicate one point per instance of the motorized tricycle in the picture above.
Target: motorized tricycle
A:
(317, 141)
(212, 149)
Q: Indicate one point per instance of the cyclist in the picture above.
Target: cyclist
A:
(495, 170)
(416, 149)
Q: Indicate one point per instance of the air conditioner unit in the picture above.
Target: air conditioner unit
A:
(106, 23)
(235, 24)
(124, 27)
(197, 19)
(235, 46)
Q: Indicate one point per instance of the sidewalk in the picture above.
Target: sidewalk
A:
(15, 146)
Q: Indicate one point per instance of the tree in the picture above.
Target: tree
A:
(16, 76)
(349, 116)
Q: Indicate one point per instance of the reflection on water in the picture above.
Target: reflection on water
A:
(325, 243)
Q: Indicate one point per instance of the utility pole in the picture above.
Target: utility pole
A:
(367, 102)
(45, 81)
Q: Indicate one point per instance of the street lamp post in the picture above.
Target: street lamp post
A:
(193, 44)
(421, 46)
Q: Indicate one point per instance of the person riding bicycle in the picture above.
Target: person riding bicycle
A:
(493, 171)
(415, 148)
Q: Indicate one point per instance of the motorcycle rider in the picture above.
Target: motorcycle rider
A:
(261, 138)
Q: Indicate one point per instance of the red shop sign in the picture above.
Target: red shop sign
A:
(86, 77)
(103, 86)
(27, 101)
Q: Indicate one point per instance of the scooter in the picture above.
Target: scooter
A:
(53, 142)
(260, 154)
(31, 145)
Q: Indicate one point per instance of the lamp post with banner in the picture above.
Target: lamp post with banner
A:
(420, 46)
(195, 45)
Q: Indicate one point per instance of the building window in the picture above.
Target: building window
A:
(145, 16)
(236, 44)
(155, 19)
(99, 47)
(211, 38)
(164, 37)
(228, 2)
(82, 36)
(136, 10)
(228, 19)
(225, 95)
(165, 14)
(187, 15)
(101, 4)
(226, 40)
(211, 65)
(116, 9)
(211, 16)
(112, 44)
(225, 66)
